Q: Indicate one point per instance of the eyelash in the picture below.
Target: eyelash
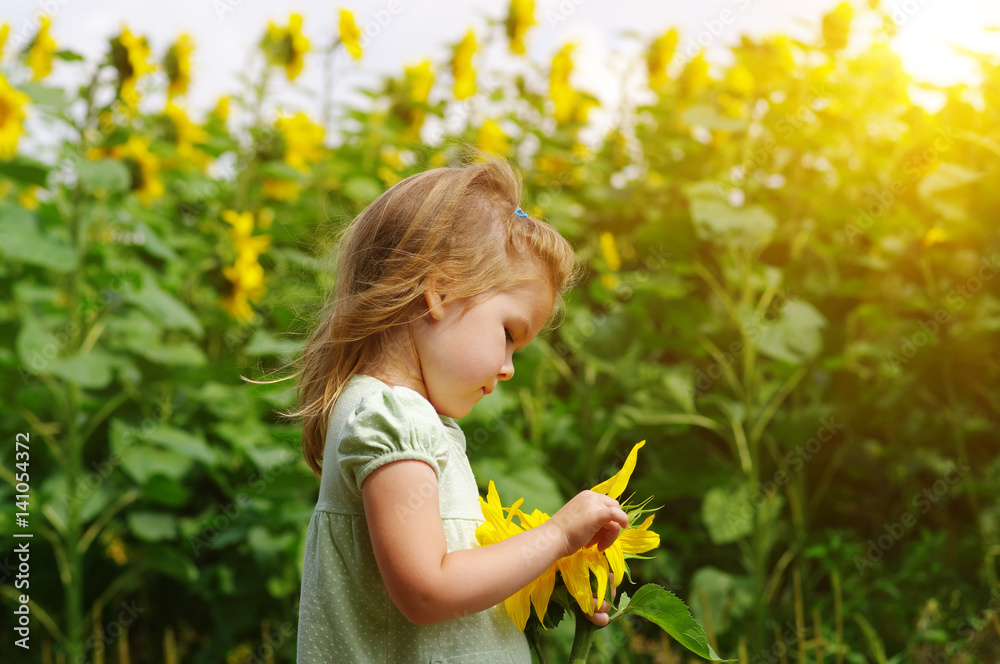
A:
(510, 337)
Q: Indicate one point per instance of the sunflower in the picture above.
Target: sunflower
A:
(143, 165)
(185, 135)
(660, 53)
(520, 17)
(461, 66)
(130, 56)
(246, 274)
(42, 51)
(303, 141)
(177, 64)
(350, 34)
(286, 47)
(577, 569)
(12, 112)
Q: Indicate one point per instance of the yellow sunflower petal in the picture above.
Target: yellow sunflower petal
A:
(614, 486)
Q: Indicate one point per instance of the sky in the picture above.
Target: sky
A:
(399, 32)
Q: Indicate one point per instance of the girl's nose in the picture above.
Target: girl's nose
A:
(507, 370)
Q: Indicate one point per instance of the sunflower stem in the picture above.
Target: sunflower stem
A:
(583, 637)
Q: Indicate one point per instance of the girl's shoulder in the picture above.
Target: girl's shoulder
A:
(368, 398)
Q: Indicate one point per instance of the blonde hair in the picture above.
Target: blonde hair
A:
(454, 225)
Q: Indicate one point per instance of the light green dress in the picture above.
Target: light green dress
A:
(345, 613)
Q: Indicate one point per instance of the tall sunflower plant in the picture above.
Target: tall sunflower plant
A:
(570, 584)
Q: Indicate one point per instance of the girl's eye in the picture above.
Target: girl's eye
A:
(510, 337)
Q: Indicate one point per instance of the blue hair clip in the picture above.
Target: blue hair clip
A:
(521, 213)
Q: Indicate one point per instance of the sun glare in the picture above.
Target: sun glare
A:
(927, 30)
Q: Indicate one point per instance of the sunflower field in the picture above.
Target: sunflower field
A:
(792, 295)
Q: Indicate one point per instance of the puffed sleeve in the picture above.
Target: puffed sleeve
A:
(390, 425)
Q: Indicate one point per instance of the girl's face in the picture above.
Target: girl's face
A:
(462, 351)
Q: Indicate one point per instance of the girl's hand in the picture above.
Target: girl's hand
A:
(600, 616)
(589, 518)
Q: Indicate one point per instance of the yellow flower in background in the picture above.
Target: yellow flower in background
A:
(740, 80)
(130, 56)
(221, 109)
(144, 167)
(613, 260)
(694, 77)
(491, 138)
(934, 236)
(281, 190)
(660, 53)
(177, 65)
(42, 51)
(186, 134)
(12, 113)
(417, 83)
(520, 17)
(246, 274)
(286, 47)
(350, 34)
(461, 66)
(4, 34)
(303, 141)
(29, 197)
(560, 91)
(420, 79)
(837, 27)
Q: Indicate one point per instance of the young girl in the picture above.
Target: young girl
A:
(440, 280)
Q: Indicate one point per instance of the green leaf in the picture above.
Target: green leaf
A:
(110, 175)
(362, 187)
(718, 221)
(664, 609)
(91, 370)
(25, 170)
(795, 337)
(44, 95)
(946, 176)
(152, 526)
(22, 240)
(184, 354)
(178, 440)
(728, 515)
(165, 491)
(706, 116)
(69, 56)
(263, 343)
(145, 462)
(163, 306)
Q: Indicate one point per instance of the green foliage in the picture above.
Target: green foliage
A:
(791, 296)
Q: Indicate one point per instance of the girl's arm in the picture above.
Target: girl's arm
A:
(430, 585)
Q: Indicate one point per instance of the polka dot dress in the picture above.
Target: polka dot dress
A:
(345, 613)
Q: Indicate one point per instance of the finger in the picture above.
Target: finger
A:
(614, 586)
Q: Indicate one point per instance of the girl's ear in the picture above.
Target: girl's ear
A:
(435, 303)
